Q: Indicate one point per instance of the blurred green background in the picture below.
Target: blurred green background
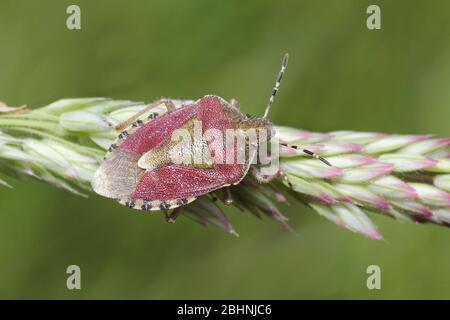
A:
(341, 76)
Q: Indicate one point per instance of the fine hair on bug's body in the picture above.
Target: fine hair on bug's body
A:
(148, 168)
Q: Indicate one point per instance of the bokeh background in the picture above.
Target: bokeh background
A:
(341, 76)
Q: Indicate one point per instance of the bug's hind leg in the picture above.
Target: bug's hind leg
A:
(224, 194)
(172, 217)
(228, 197)
(125, 124)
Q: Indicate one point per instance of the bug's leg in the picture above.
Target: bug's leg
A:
(125, 124)
(228, 197)
(256, 172)
(262, 178)
(213, 197)
(172, 217)
(285, 178)
(169, 104)
(224, 194)
(235, 104)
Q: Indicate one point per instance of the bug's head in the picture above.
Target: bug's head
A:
(261, 126)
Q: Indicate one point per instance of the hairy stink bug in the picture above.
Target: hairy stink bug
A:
(143, 168)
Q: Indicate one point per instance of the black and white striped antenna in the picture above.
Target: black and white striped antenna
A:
(277, 84)
(275, 90)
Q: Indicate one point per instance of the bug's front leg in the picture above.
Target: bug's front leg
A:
(257, 173)
(125, 124)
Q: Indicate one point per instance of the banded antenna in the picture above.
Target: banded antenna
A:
(275, 90)
(277, 84)
(308, 152)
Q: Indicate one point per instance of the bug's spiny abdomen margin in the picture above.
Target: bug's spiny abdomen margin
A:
(121, 177)
(119, 174)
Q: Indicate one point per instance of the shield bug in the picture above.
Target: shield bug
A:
(145, 168)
